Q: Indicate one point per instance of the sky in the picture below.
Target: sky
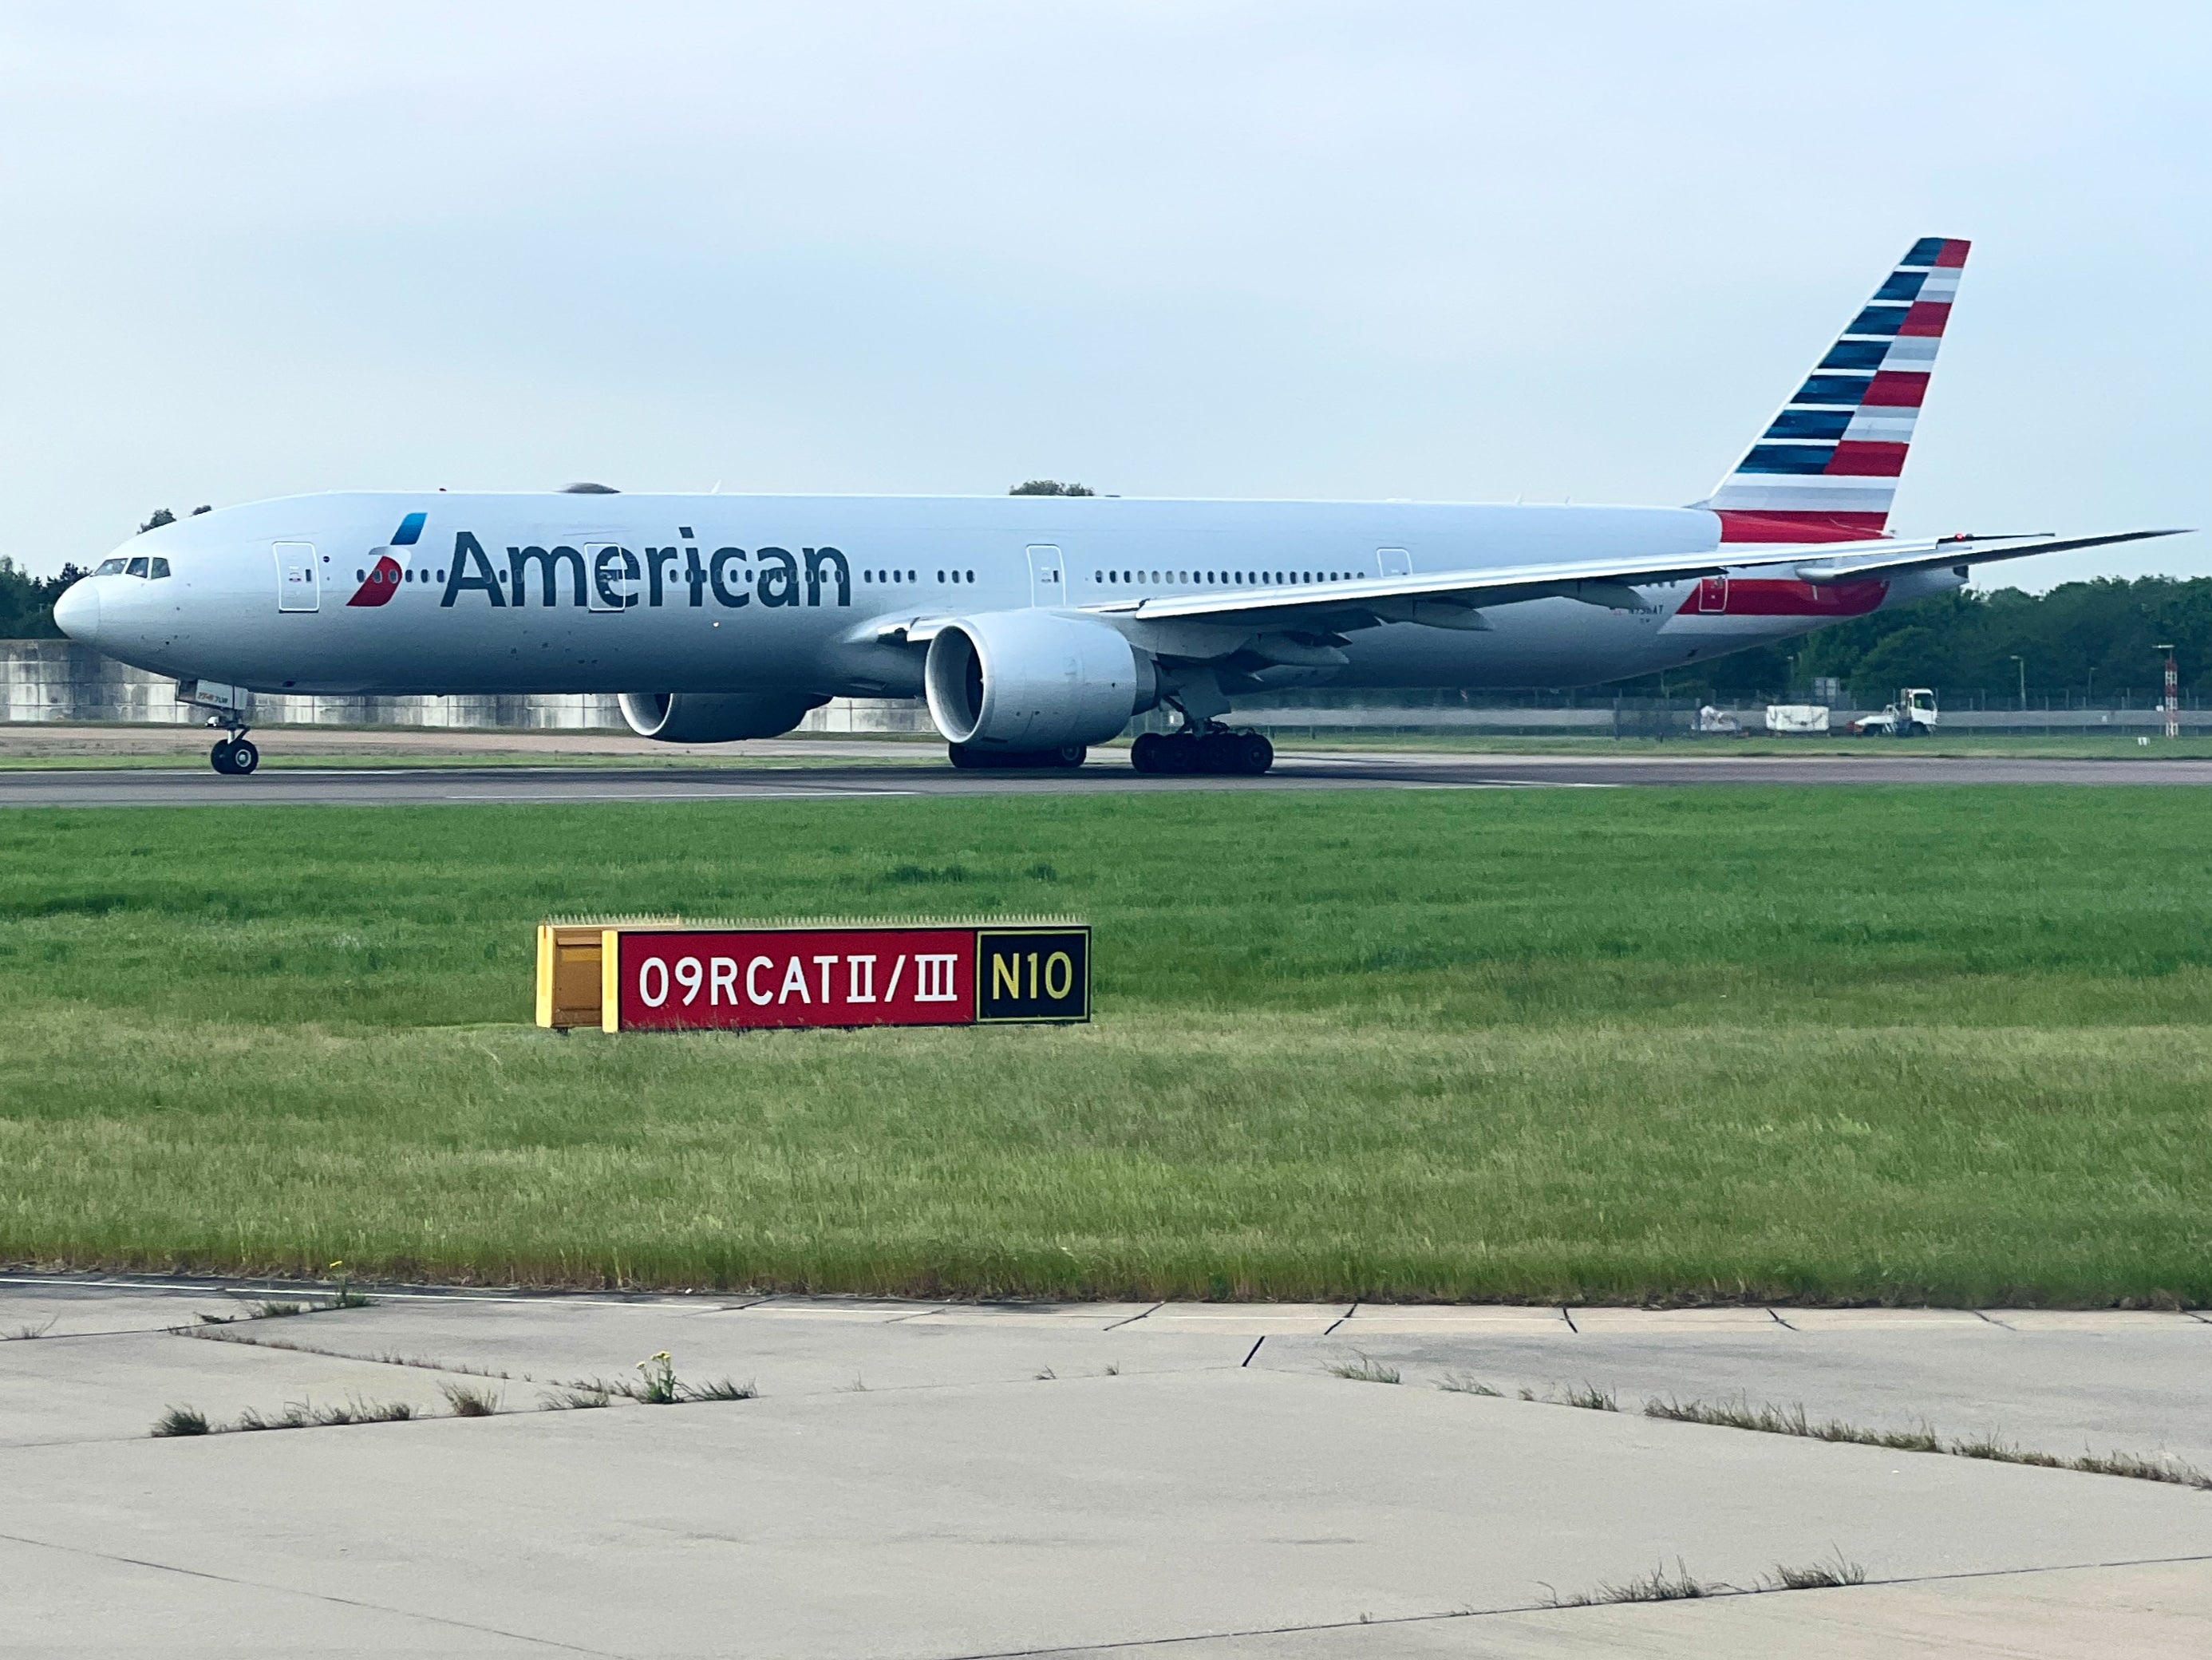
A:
(1446, 252)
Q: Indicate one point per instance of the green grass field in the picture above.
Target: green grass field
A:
(1945, 1044)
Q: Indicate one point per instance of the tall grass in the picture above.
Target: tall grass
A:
(1900, 1044)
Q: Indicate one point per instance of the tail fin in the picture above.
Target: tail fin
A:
(1824, 470)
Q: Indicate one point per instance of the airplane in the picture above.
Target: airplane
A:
(1036, 626)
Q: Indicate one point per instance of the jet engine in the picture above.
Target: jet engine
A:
(1032, 683)
(701, 717)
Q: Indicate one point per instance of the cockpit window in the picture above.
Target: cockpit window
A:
(109, 568)
(160, 567)
(137, 567)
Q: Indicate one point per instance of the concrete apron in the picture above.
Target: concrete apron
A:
(934, 1479)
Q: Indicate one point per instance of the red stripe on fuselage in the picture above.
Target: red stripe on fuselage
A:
(1782, 527)
(1771, 596)
(383, 582)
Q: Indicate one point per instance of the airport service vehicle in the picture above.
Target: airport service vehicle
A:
(1035, 626)
(1913, 715)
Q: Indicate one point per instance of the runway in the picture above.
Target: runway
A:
(840, 773)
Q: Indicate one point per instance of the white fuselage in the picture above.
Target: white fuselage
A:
(727, 594)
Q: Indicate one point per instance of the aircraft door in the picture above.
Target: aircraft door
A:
(1712, 593)
(299, 582)
(1394, 561)
(1047, 585)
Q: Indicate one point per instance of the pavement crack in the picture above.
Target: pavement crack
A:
(1133, 1319)
(1570, 1609)
(1776, 1315)
(315, 1596)
(1567, 1314)
(1253, 1350)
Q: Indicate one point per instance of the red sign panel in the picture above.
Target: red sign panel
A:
(672, 981)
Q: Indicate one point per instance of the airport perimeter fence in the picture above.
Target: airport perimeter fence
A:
(61, 681)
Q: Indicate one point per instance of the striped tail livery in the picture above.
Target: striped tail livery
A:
(1826, 468)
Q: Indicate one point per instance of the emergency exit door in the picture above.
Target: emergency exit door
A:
(299, 582)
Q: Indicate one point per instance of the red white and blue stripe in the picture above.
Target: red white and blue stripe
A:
(1826, 468)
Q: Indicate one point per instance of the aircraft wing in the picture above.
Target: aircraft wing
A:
(1899, 558)
(1435, 597)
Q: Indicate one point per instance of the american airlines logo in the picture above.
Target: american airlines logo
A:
(383, 578)
(606, 576)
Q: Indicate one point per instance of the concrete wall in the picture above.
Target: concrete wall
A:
(61, 680)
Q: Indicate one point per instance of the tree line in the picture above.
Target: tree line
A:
(2094, 641)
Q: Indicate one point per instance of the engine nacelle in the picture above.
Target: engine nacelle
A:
(1032, 680)
(712, 717)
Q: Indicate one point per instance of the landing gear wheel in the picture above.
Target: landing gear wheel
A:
(1219, 753)
(219, 757)
(243, 757)
(967, 757)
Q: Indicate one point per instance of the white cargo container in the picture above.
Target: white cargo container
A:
(1797, 718)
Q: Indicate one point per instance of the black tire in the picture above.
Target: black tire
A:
(1145, 754)
(244, 755)
(1255, 754)
(1218, 752)
(1067, 755)
(219, 757)
(962, 756)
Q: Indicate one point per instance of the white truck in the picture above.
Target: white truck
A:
(1913, 715)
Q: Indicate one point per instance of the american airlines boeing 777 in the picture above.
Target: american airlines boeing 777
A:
(1037, 625)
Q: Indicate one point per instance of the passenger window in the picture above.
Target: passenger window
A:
(137, 567)
(160, 568)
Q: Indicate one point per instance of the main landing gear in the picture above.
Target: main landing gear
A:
(234, 754)
(968, 756)
(1212, 750)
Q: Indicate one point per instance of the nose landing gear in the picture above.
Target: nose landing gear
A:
(234, 755)
(1213, 749)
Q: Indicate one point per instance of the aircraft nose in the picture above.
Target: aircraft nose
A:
(77, 613)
